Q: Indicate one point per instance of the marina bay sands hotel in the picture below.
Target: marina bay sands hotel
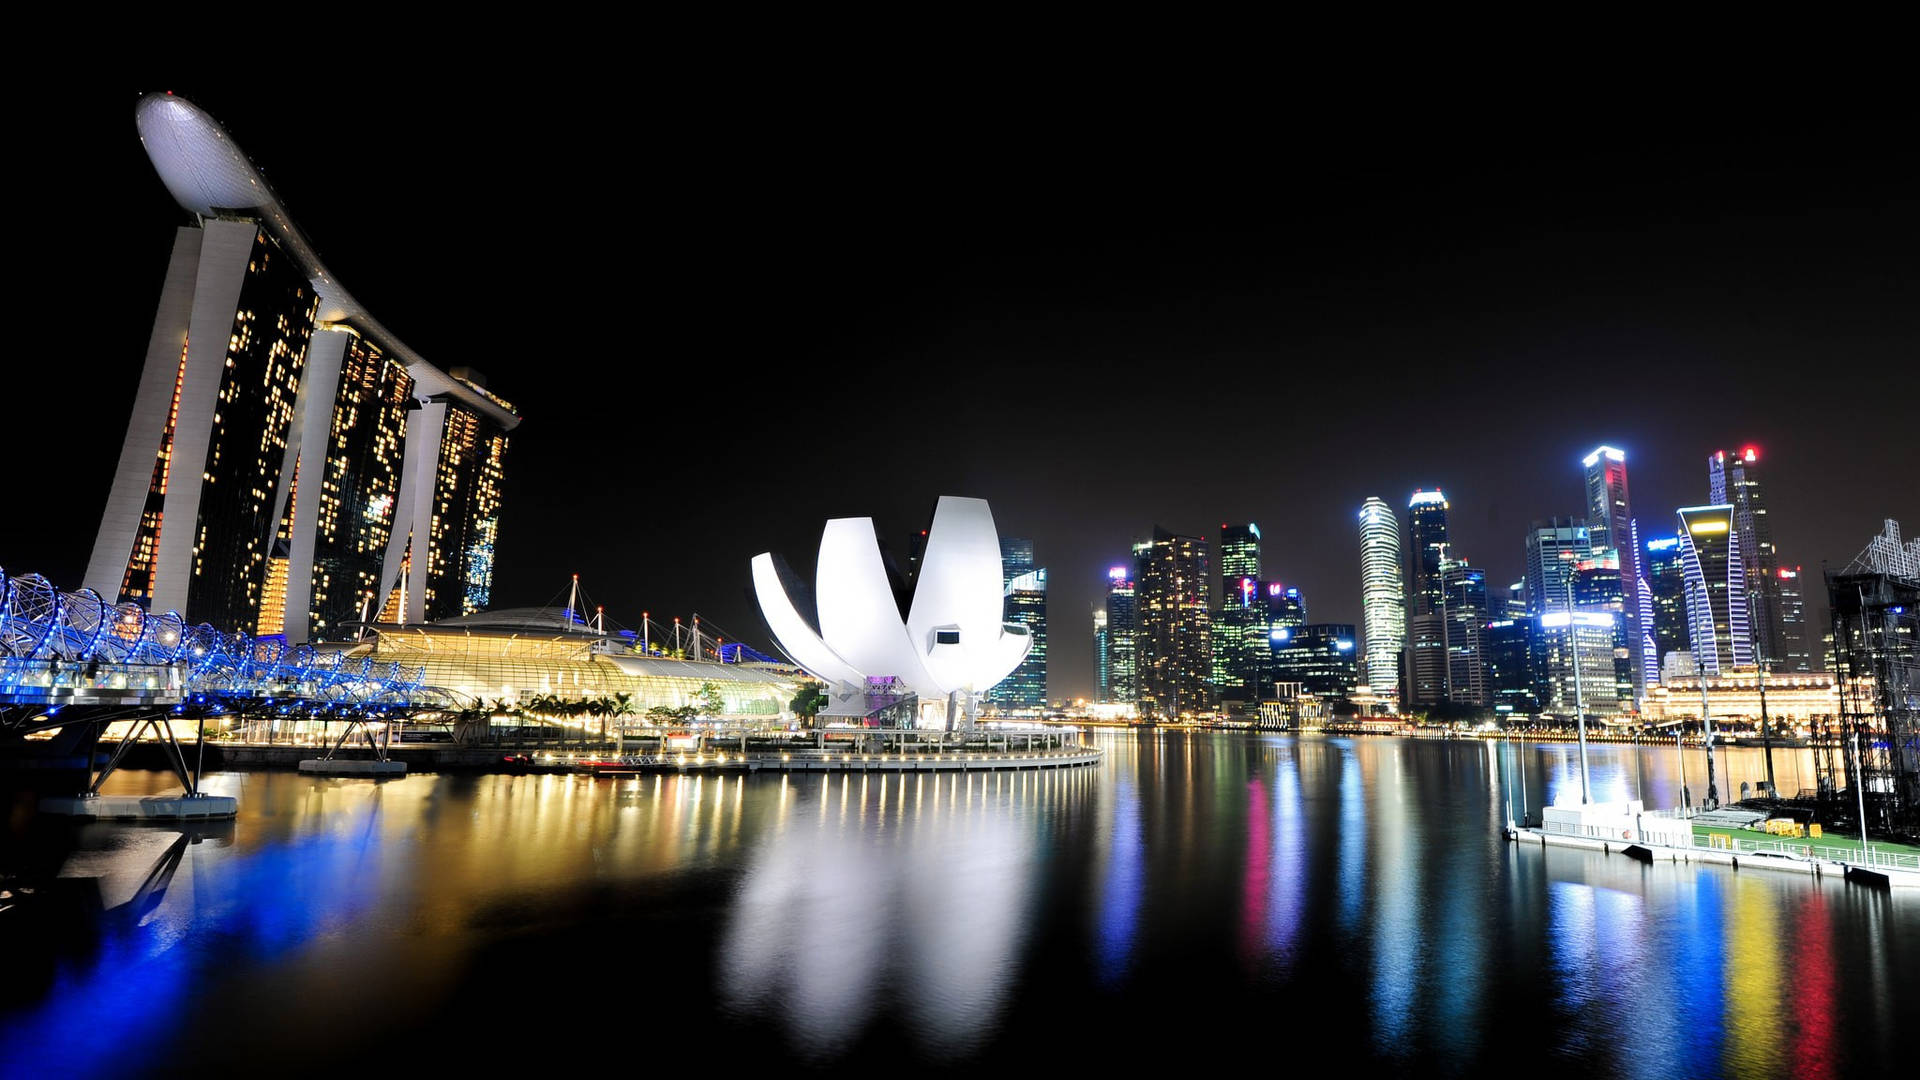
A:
(290, 465)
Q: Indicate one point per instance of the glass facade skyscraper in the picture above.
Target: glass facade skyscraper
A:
(1610, 527)
(1667, 597)
(1321, 657)
(1383, 605)
(1465, 589)
(1554, 546)
(1026, 604)
(1716, 589)
(1122, 624)
(1733, 479)
(1240, 650)
(1426, 549)
(1586, 639)
(1508, 644)
(1174, 643)
(1102, 673)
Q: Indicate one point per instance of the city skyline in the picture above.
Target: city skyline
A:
(1729, 263)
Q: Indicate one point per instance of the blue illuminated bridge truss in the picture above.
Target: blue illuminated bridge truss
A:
(70, 658)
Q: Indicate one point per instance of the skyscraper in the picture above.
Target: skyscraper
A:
(1553, 547)
(1240, 649)
(1466, 614)
(261, 372)
(1666, 599)
(1239, 559)
(1122, 678)
(1016, 556)
(1716, 589)
(1321, 657)
(1382, 598)
(1575, 652)
(1102, 658)
(1794, 637)
(1174, 643)
(1026, 604)
(1610, 526)
(1734, 480)
(1426, 549)
(1508, 644)
(1608, 516)
(1514, 604)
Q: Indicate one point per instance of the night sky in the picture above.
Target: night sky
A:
(728, 320)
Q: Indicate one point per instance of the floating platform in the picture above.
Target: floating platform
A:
(142, 807)
(345, 767)
(1881, 876)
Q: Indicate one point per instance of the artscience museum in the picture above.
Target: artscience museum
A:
(893, 653)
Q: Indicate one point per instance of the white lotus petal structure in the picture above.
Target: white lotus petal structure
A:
(851, 630)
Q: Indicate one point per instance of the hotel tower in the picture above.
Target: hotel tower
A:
(290, 465)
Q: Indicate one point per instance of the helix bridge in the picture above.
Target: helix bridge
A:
(72, 662)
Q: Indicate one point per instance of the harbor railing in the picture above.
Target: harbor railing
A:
(1873, 857)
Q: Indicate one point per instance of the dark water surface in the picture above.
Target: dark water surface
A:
(1199, 900)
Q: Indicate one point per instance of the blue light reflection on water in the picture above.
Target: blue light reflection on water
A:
(1121, 892)
(218, 905)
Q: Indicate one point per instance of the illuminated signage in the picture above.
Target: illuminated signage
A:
(1706, 526)
(1583, 618)
(1117, 573)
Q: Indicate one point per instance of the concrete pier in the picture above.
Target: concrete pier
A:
(343, 767)
(142, 807)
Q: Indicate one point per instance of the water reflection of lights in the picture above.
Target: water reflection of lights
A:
(824, 917)
(1399, 943)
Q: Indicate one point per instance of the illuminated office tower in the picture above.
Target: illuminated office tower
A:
(1239, 559)
(1465, 590)
(1599, 586)
(1553, 547)
(1102, 673)
(1426, 549)
(1716, 589)
(1586, 639)
(1284, 604)
(1174, 643)
(1383, 604)
(1514, 604)
(1508, 645)
(1610, 526)
(1240, 649)
(1665, 599)
(1794, 637)
(284, 447)
(1734, 480)
(1026, 604)
(1122, 624)
(1321, 657)
(1016, 556)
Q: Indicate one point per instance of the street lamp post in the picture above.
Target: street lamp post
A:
(1766, 734)
(1700, 668)
(1579, 696)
